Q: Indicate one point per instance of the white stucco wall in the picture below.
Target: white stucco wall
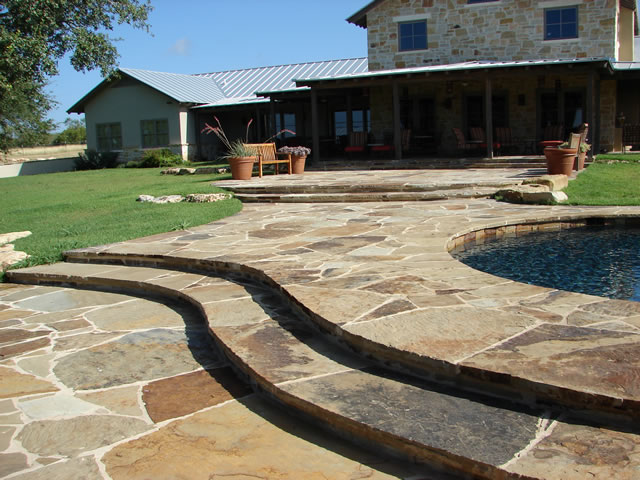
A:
(129, 105)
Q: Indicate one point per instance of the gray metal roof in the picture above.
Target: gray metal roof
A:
(232, 87)
(246, 83)
(182, 88)
(452, 67)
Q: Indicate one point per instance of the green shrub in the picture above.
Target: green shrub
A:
(156, 158)
(92, 160)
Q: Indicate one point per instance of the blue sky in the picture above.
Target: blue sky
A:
(197, 36)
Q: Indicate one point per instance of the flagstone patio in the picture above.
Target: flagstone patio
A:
(353, 316)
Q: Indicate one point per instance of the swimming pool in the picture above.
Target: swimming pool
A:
(602, 260)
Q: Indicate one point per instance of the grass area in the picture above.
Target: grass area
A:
(606, 183)
(79, 209)
(619, 157)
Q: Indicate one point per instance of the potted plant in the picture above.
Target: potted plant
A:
(240, 157)
(560, 159)
(298, 157)
(582, 154)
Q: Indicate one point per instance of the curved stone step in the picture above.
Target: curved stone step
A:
(280, 354)
(275, 347)
(487, 373)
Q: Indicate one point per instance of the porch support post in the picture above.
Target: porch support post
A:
(397, 133)
(315, 133)
(349, 114)
(258, 123)
(593, 109)
(488, 115)
(272, 116)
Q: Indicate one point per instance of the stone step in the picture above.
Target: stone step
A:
(274, 345)
(277, 349)
(434, 163)
(356, 197)
(304, 186)
(526, 387)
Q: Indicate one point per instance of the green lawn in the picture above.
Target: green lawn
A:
(607, 183)
(79, 209)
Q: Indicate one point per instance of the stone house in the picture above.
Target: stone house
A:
(431, 66)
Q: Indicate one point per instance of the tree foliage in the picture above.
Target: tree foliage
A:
(74, 133)
(36, 34)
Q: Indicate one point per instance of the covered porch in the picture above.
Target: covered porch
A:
(477, 110)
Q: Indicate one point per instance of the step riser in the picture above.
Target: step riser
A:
(354, 198)
(343, 425)
(519, 390)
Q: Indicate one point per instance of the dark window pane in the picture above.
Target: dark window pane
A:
(553, 16)
(569, 15)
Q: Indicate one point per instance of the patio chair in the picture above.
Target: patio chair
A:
(480, 139)
(584, 132)
(574, 140)
(463, 144)
(267, 155)
(504, 138)
(357, 143)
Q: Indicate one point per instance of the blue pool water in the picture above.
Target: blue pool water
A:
(599, 261)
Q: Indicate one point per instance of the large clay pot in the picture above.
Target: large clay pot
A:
(241, 167)
(297, 164)
(560, 160)
(579, 165)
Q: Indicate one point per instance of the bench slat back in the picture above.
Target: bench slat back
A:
(266, 150)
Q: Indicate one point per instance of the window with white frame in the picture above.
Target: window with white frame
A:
(561, 23)
(109, 136)
(412, 36)
(155, 133)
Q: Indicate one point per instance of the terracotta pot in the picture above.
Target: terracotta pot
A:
(579, 165)
(297, 164)
(241, 167)
(560, 160)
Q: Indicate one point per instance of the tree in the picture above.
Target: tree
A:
(74, 133)
(36, 34)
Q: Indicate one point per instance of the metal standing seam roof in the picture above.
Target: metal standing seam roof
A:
(232, 87)
(245, 83)
(180, 87)
(453, 67)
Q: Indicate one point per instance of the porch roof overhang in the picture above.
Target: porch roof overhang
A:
(454, 70)
(232, 102)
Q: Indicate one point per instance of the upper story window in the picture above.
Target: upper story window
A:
(412, 36)
(481, 1)
(560, 23)
(109, 136)
(155, 133)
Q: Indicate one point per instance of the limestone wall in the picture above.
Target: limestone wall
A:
(501, 30)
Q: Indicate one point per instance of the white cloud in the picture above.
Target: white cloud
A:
(181, 47)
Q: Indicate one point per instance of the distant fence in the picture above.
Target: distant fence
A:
(36, 160)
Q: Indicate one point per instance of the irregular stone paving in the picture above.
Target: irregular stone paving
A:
(122, 388)
(379, 275)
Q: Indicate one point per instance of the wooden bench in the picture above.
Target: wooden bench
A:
(267, 155)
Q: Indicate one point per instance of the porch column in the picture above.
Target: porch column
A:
(488, 112)
(315, 133)
(258, 124)
(272, 117)
(397, 131)
(349, 114)
(593, 112)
